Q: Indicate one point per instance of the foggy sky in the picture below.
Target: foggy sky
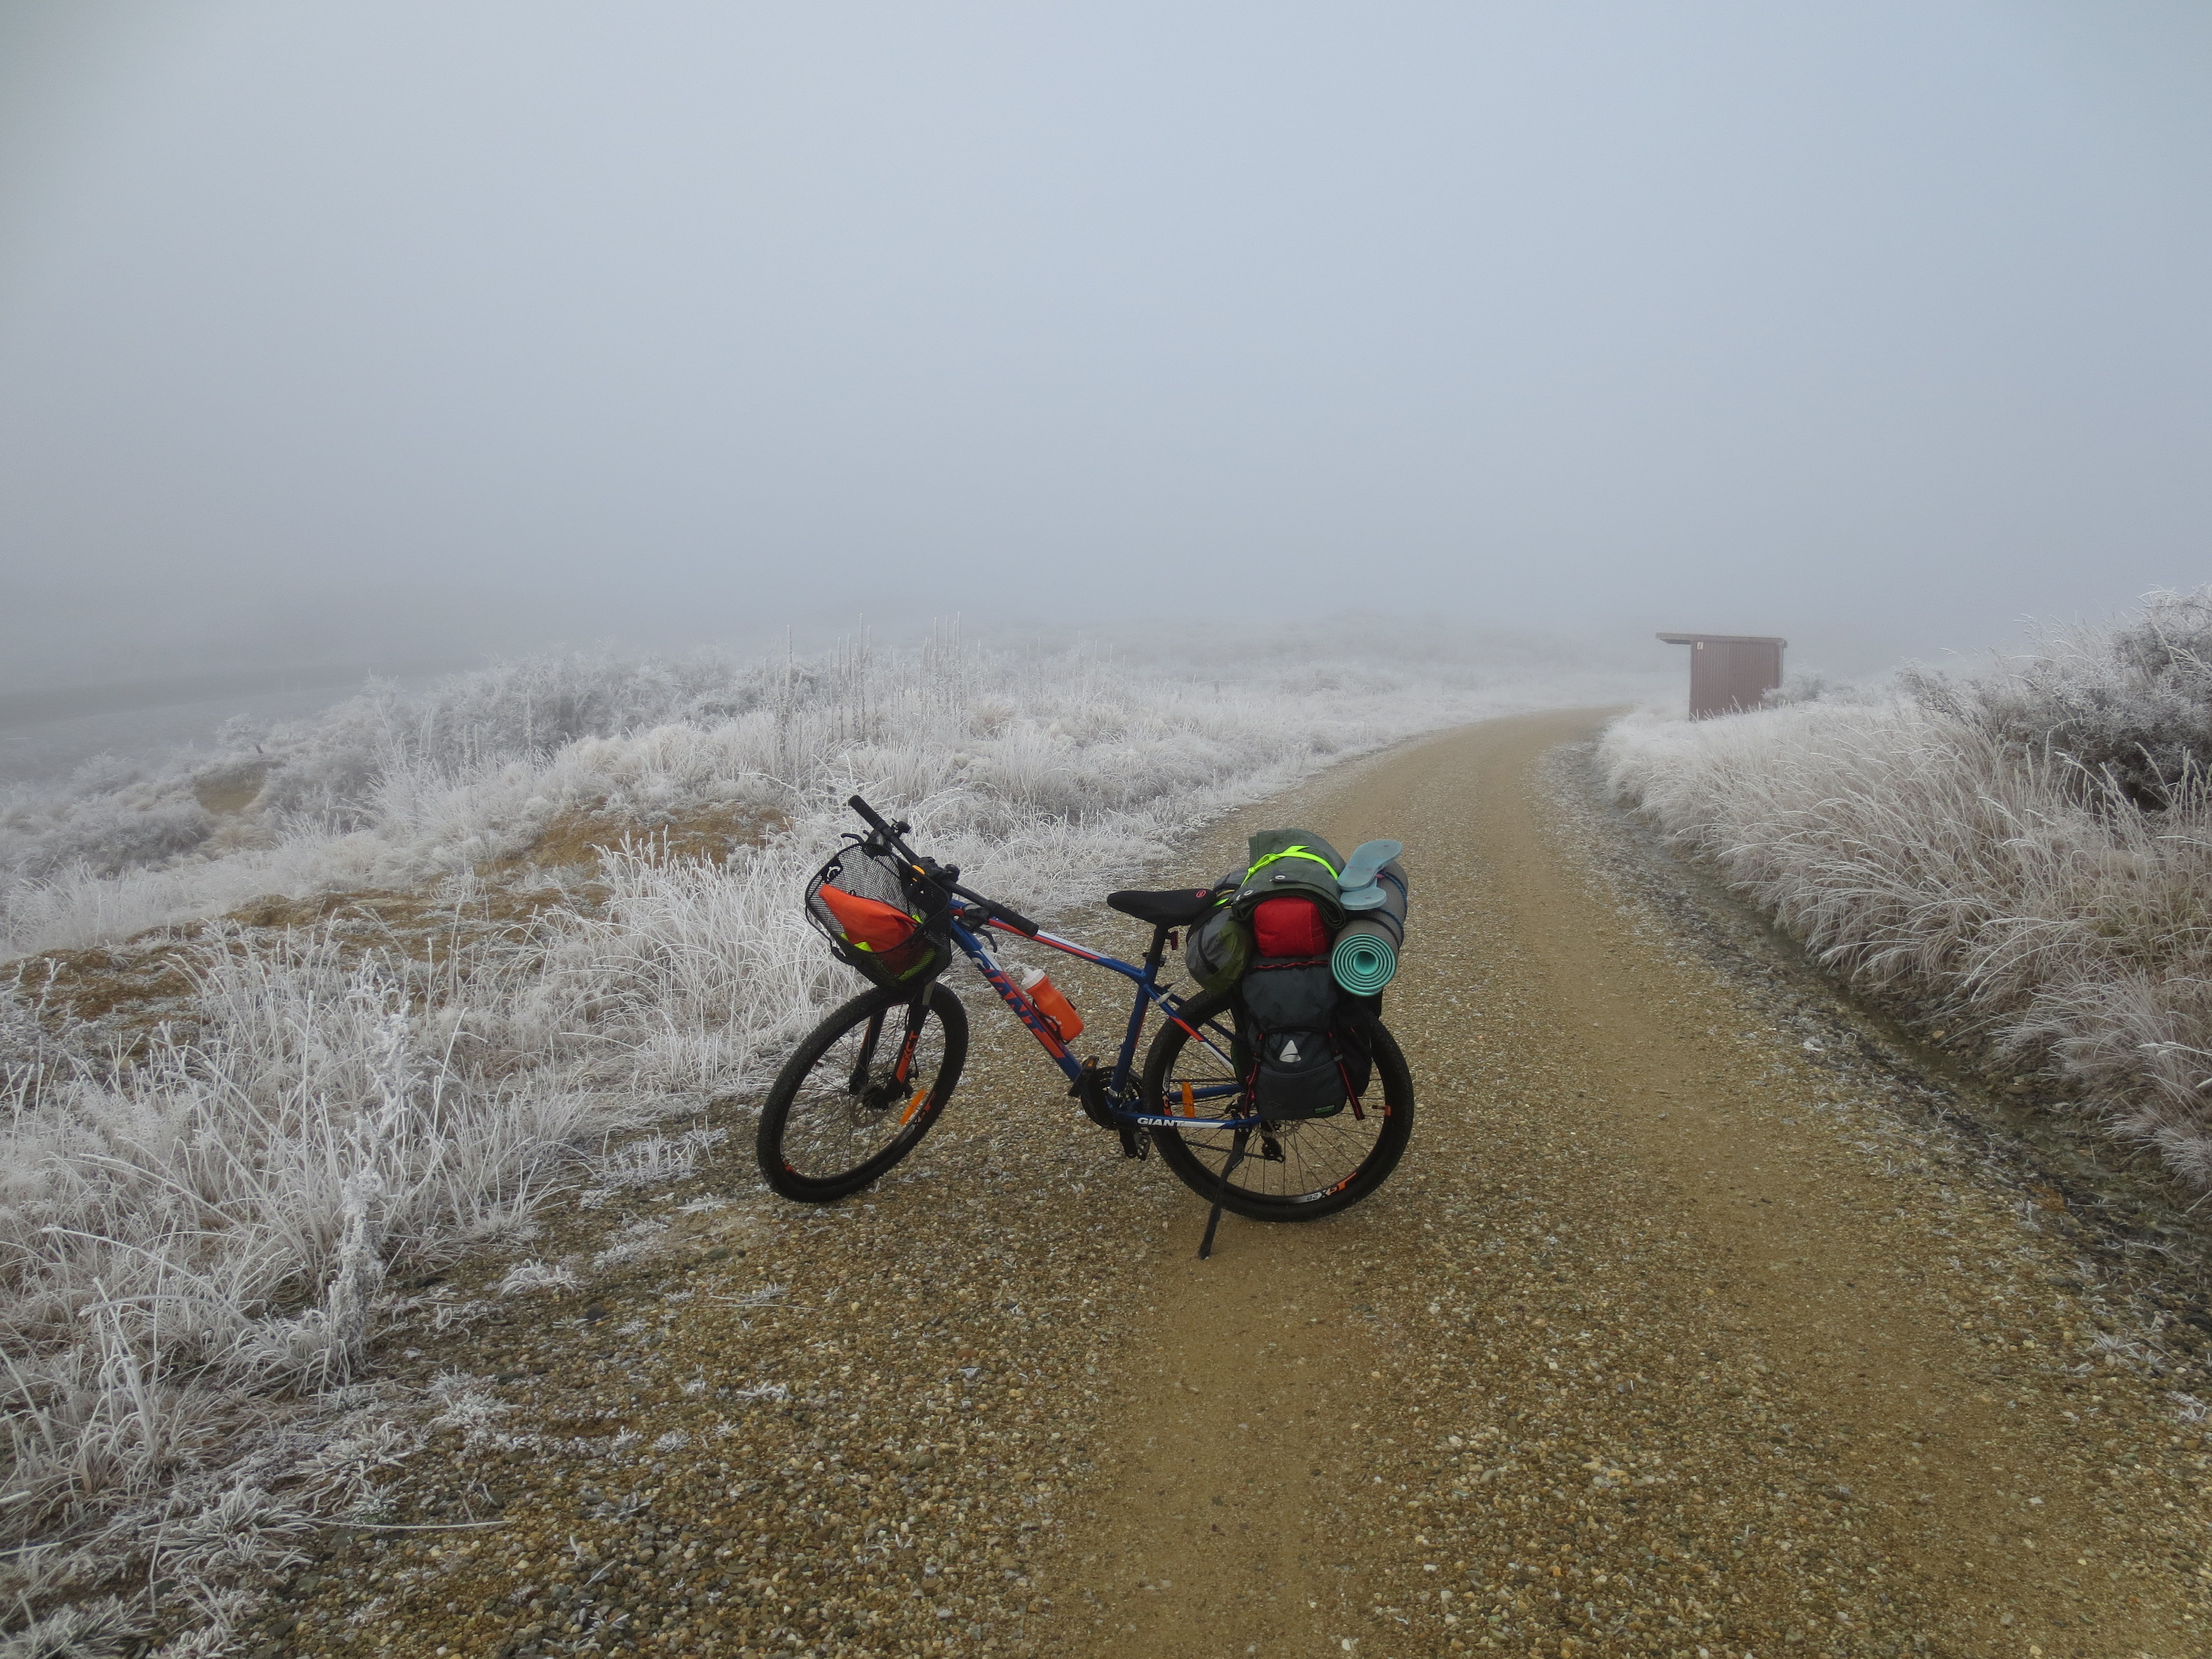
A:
(409, 331)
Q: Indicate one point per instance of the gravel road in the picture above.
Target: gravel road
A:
(1697, 1322)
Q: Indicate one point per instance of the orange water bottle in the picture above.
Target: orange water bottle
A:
(1059, 1012)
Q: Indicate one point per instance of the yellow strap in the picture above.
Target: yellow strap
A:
(1289, 853)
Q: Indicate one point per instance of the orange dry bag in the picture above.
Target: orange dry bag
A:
(868, 924)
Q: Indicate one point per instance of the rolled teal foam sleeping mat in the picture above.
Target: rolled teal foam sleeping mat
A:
(1364, 957)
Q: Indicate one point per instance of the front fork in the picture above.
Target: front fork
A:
(858, 1080)
(895, 1084)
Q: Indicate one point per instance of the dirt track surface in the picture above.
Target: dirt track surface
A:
(1671, 1335)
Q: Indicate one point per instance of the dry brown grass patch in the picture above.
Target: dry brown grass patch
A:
(78, 987)
(579, 835)
(134, 985)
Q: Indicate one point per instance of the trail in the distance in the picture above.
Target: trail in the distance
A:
(1639, 1352)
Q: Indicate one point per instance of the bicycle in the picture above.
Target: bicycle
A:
(842, 1112)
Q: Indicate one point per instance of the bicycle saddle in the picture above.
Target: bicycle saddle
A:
(1173, 909)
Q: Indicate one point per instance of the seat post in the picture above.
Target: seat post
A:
(1157, 954)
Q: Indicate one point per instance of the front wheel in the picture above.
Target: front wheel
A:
(1299, 1170)
(860, 1091)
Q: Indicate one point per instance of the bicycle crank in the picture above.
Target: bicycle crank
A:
(1090, 1091)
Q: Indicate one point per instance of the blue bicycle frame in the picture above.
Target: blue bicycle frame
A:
(1146, 978)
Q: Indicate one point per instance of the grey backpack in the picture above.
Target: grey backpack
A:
(1291, 863)
(1281, 863)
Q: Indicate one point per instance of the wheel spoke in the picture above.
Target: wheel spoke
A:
(1291, 1170)
(860, 1090)
(851, 1107)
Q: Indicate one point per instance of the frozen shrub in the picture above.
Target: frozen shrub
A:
(321, 1113)
(107, 833)
(1800, 685)
(392, 788)
(2127, 710)
(2030, 846)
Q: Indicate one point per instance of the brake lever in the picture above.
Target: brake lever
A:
(994, 911)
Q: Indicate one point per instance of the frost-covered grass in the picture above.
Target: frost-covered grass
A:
(2030, 844)
(392, 789)
(194, 1233)
(194, 1241)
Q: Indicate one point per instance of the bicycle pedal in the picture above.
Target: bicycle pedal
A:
(1135, 1143)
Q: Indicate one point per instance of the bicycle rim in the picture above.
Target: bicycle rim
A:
(854, 1098)
(1291, 1171)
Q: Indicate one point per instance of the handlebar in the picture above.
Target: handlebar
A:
(929, 870)
(889, 832)
(998, 912)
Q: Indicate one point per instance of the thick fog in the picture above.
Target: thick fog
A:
(395, 334)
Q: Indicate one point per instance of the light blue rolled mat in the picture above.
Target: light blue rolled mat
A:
(1364, 957)
(1359, 870)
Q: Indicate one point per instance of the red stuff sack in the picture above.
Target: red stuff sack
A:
(1289, 926)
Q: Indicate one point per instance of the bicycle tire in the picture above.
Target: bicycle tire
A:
(1316, 1166)
(838, 1116)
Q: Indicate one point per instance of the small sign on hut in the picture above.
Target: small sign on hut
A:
(1730, 673)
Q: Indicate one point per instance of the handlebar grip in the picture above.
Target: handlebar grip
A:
(875, 819)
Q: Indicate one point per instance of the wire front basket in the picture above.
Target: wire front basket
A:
(879, 918)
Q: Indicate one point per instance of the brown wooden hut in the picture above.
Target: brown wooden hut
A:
(1730, 673)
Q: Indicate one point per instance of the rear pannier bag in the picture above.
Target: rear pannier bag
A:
(1298, 993)
(877, 919)
(1298, 1076)
(1290, 1007)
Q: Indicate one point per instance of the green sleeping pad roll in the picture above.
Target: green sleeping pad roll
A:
(1364, 957)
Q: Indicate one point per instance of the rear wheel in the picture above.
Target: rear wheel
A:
(860, 1091)
(1299, 1170)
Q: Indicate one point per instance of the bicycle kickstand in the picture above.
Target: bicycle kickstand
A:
(1236, 1157)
